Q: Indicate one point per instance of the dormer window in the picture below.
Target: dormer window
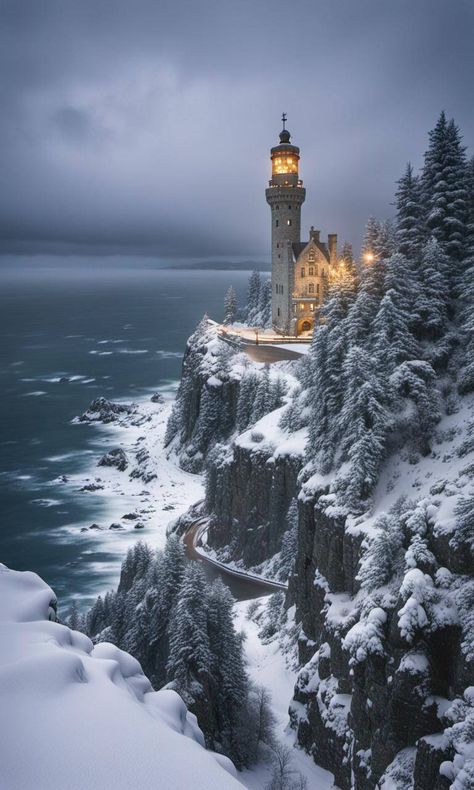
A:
(312, 255)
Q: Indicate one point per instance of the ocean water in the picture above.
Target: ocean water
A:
(113, 331)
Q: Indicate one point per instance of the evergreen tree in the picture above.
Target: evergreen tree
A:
(364, 424)
(190, 657)
(262, 399)
(466, 377)
(430, 306)
(289, 545)
(409, 231)
(247, 392)
(393, 341)
(444, 187)
(74, 620)
(320, 446)
(227, 668)
(230, 306)
(385, 242)
(415, 381)
(253, 297)
(265, 304)
(383, 558)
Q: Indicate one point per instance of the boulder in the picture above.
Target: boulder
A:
(116, 458)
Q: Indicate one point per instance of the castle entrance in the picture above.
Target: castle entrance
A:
(305, 326)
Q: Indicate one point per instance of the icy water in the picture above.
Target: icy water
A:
(117, 332)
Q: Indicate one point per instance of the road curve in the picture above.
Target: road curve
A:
(243, 586)
(270, 353)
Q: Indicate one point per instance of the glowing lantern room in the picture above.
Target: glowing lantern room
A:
(285, 158)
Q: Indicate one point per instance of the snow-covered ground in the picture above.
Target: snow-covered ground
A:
(158, 496)
(267, 667)
(78, 717)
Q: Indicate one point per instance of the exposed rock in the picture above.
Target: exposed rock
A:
(157, 398)
(116, 526)
(139, 525)
(92, 487)
(130, 516)
(103, 410)
(64, 380)
(116, 458)
(95, 527)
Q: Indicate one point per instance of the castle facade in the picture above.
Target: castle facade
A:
(300, 269)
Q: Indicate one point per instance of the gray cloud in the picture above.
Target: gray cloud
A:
(145, 127)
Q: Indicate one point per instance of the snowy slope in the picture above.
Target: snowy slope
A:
(76, 716)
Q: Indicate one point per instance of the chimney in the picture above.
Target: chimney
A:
(314, 234)
(332, 247)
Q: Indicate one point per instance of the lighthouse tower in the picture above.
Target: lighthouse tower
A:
(285, 196)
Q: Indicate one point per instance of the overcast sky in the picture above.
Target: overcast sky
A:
(144, 126)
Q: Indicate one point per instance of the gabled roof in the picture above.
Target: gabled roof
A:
(299, 247)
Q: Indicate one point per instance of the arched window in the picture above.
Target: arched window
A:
(288, 221)
(311, 288)
(302, 271)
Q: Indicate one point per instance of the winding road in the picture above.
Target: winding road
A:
(243, 586)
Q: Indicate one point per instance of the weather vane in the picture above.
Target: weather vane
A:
(283, 118)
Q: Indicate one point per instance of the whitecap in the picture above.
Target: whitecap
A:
(34, 394)
(133, 350)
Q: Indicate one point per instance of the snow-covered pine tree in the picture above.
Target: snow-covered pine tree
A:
(230, 683)
(415, 381)
(383, 557)
(444, 194)
(409, 228)
(265, 304)
(178, 420)
(430, 306)
(230, 306)
(320, 448)
(289, 544)
(247, 392)
(466, 294)
(190, 660)
(385, 243)
(363, 425)
(262, 402)
(393, 341)
(74, 620)
(253, 297)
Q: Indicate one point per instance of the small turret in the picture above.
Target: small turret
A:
(332, 248)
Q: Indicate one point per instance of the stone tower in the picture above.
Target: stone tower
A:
(285, 196)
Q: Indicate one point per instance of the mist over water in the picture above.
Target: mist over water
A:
(113, 331)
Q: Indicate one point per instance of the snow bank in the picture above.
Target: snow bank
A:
(76, 716)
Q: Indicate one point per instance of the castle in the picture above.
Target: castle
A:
(299, 268)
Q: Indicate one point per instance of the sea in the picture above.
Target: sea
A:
(114, 330)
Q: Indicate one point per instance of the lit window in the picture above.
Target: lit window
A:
(311, 271)
(312, 306)
(288, 221)
(311, 288)
(302, 271)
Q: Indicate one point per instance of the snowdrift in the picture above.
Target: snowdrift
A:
(75, 716)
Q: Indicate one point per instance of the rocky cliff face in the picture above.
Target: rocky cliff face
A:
(384, 697)
(249, 490)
